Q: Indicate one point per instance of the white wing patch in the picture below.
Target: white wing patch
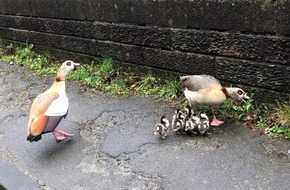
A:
(58, 107)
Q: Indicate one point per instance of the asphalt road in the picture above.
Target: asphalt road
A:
(114, 147)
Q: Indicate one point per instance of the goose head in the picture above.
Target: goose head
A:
(66, 68)
(237, 94)
(184, 84)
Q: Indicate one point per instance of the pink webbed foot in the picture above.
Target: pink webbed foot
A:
(216, 122)
(61, 135)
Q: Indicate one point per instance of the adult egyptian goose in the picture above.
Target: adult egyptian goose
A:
(162, 127)
(50, 107)
(207, 90)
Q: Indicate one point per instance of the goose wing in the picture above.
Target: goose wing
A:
(37, 118)
(198, 82)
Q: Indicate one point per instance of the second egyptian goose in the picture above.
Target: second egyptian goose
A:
(50, 107)
(207, 90)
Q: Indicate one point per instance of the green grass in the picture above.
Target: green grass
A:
(273, 119)
(26, 57)
(111, 78)
(105, 76)
(281, 117)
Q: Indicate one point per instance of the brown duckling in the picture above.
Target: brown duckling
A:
(161, 128)
(203, 125)
(178, 122)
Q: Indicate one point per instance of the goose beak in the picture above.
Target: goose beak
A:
(77, 65)
(245, 98)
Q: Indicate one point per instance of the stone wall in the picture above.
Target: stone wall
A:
(241, 42)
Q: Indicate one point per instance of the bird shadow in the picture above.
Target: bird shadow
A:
(54, 150)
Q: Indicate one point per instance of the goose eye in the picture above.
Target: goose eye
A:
(240, 92)
(68, 63)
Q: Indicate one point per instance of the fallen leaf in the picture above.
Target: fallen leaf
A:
(251, 126)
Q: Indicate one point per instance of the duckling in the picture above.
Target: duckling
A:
(175, 116)
(188, 122)
(178, 122)
(191, 125)
(207, 90)
(161, 128)
(194, 126)
(203, 125)
(187, 112)
(188, 125)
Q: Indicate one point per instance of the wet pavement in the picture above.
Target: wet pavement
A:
(114, 146)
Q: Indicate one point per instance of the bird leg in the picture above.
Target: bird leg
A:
(62, 135)
(215, 121)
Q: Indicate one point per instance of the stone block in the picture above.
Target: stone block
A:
(138, 12)
(14, 34)
(66, 9)
(250, 73)
(1, 7)
(73, 44)
(65, 55)
(187, 63)
(15, 7)
(277, 50)
(143, 36)
(84, 29)
(120, 52)
(282, 17)
(127, 11)
(246, 15)
(141, 69)
(287, 81)
(218, 43)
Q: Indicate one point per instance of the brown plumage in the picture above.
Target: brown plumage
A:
(198, 82)
(50, 107)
